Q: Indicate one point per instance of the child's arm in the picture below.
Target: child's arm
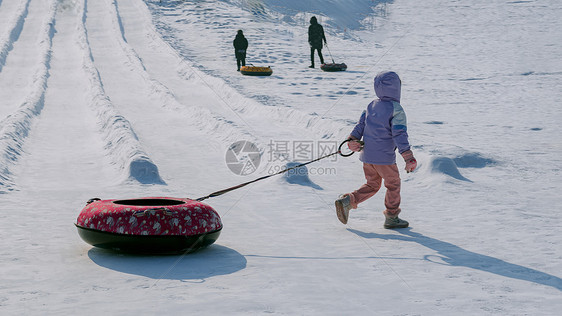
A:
(399, 128)
(400, 136)
(357, 132)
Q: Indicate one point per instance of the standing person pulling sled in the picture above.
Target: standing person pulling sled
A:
(382, 127)
(315, 38)
(240, 45)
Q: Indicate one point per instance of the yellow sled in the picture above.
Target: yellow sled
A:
(256, 71)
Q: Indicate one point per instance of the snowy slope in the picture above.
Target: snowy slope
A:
(132, 98)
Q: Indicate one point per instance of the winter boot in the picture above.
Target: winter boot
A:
(343, 205)
(394, 222)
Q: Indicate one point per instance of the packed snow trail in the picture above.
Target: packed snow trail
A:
(65, 144)
(122, 144)
(12, 17)
(167, 131)
(174, 92)
(20, 54)
(15, 128)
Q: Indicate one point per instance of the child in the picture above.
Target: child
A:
(382, 127)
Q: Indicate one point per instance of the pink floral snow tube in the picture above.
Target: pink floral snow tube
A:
(150, 216)
(153, 225)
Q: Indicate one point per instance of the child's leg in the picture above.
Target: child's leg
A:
(368, 189)
(391, 177)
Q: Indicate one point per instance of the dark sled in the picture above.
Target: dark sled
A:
(333, 67)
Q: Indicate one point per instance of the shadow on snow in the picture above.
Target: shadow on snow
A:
(457, 256)
(205, 263)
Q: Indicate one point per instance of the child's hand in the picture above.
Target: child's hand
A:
(411, 165)
(355, 145)
(411, 162)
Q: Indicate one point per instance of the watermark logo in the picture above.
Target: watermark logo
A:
(243, 158)
(300, 150)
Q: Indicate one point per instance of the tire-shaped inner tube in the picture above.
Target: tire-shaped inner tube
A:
(256, 71)
(333, 67)
(149, 225)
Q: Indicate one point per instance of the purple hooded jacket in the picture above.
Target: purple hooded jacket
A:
(382, 125)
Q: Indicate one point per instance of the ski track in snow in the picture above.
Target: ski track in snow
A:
(12, 24)
(56, 149)
(15, 128)
(122, 142)
(207, 121)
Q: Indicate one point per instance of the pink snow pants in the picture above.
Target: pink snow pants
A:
(375, 174)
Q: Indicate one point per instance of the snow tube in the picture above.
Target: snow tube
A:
(334, 67)
(157, 225)
(256, 71)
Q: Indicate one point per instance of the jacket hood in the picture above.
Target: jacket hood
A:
(388, 86)
(313, 20)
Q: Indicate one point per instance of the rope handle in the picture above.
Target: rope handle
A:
(329, 52)
(348, 140)
(221, 192)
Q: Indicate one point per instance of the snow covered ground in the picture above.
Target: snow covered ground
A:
(131, 98)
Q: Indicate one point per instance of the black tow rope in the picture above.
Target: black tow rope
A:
(329, 52)
(221, 192)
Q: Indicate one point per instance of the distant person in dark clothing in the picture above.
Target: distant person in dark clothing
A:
(240, 45)
(315, 38)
